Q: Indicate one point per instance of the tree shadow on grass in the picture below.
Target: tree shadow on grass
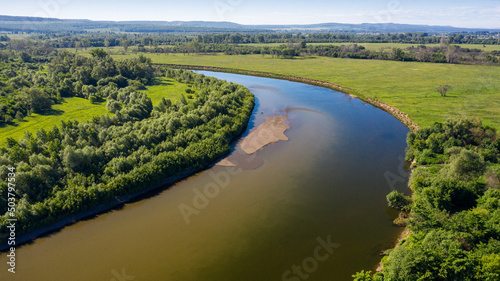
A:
(3, 125)
(51, 112)
(12, 123)
(159, 82)
(292, 59)
(450, 96)
(305, 58)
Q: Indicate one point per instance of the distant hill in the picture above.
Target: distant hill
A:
(204, 24)
(13, 18)
(373, 27)
(36, 24)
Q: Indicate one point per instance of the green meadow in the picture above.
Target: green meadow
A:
(73, 108)
(166, 88)
(410, 86)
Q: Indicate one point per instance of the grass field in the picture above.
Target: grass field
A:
(71, 109)
(410, 86)
(81, 109)
(166, 88)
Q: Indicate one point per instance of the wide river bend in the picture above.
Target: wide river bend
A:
(310, 208)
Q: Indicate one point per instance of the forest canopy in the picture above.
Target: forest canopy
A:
(454, 213)
(74, 166)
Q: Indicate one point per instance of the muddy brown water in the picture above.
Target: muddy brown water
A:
(310, 208)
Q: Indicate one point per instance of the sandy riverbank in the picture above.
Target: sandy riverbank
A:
(271, 131)
(225, 163)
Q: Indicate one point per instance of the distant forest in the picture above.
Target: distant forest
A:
(102, 39)
(446, 49)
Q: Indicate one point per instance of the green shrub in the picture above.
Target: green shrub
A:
(398, 200)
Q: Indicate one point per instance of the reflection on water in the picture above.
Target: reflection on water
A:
(312, 207)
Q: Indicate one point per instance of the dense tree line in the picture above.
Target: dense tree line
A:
(235, 44)
(410, 38)
(149, 40)
(455, 208)
(23, 88)
(72, 40)
(29, 86)
(444, 53)
(75, 166)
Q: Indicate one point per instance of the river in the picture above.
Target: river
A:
(310, 208)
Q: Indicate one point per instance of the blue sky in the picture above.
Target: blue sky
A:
(479, 13)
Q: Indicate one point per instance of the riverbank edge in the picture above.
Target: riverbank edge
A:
(108, 206)
(398, 114)
(102, 208)
(99, 209)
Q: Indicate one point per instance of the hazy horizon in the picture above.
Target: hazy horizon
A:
(480, 14)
